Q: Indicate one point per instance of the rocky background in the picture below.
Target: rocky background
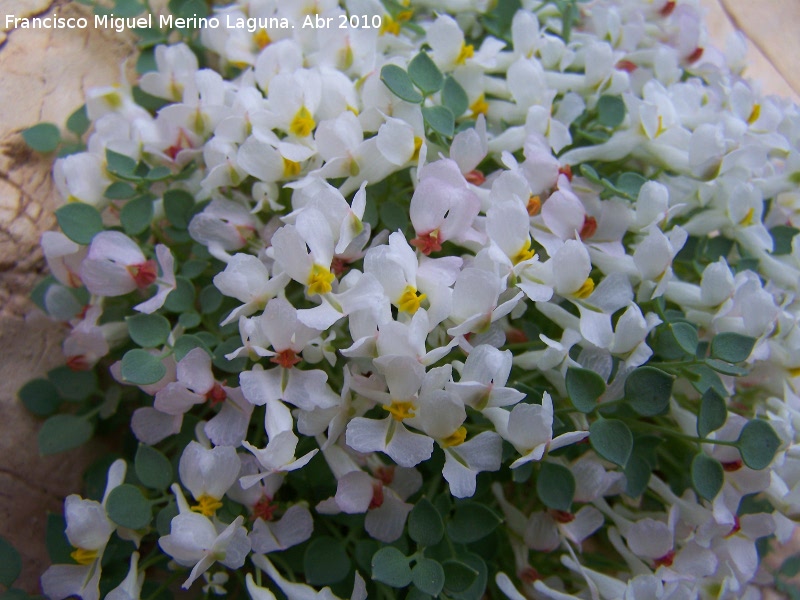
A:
(44, 75)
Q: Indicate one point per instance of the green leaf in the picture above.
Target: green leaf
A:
(712, 414)
(11, 564)
(210, 299)
(137, 214)
(424, 524)
(164, 518)
(148, 331)
(478, 588)
(612, 440)
(159, 173)
(732, 347)
(703, 378)
(121, 165)
(43, 137)
(193, 268)
(707, 476)
(471, 522)
(782, 237)
(178, 206)
(555, 486)
(152, 468)
(454, 97)
(128, 8)
(390, 566)
(790, 566)
(127, 507)
(237, 365)
(685, 335)
(80, 222)
(637, 476)
(78, 122)
(757, 444)
(440, 119)
(142, 368)
(726, 368)
(189, 320)
(648, 391)
(187, 343)
(400, 84)
(181, 298)
(610, 111)
(394, 216)
(58, 547)
(75, 386)
(458, 576)
(63, 432)
(425, 74)
(119, 190)
(428, 576)
(584, 387)
(325, 561)
(40, 397)
(630, 183)
(589, 173)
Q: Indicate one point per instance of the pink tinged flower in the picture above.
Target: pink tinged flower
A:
(464, 460)
(114, 266)
(295, 591)
(86, 343)
(247, 279)
(294, 527)
(483, 379)
(195, 542)
(277, 457)
(130, 587)
(165, 284)
(476, 302)
(63, 257)
(223, 226)
(544, 530)
(82, 177)
(208, 473)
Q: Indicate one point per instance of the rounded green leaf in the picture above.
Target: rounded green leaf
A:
(732, 347)
(637, 476)
(611, 439)
(80, 222)
(610, 111)
(11, 564)
(685, 335)
(428, 576)
(782, 236)
(425, 74)
(648, 391)
(390, 566)
(120, 165)
(458, 576)
(584, 387)
(137, 214)
(400, 84)
(127, 507)
(40, 397)
(187, 343)
(471, 522)
(707, 476)
(152, 468)
(181, 298)
(325, 561)
(142, 368)
(454, 97)
(148, 331)
(78, 122)
(440, 119)
(394, 216)
(63, 432)
(555, 486)
(178, 206)
(712, 414)
(630, 183)
(757, 444)
(119, 191)
(73, 385)
(424, 524)
(43, 137)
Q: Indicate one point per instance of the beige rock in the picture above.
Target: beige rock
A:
(44, 76)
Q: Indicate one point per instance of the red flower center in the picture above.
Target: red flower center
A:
(667, 9)
(732, 466)
(627, 66)
(264, 509)
(216, 395)
(144, 274)
(427, 242)
(377, 495)
(589, 227)
(285, 358)
(562, 516)
(665, 560)
(78, 363)
(475, 177)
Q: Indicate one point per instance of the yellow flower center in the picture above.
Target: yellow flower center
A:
(113, 99)
(479, 107)
(534, 205)
(262, 39)
(389, 25)
(410, 300)
(795, 372)
(748, 218)
(524, 253)
(319, 282)
(303, 123)
(417, 146)
(456, 438)
(754, 114)
(291, 168)
(467, 51)
(84, 557)
(207, 505)
(586, 289)
(401, 409)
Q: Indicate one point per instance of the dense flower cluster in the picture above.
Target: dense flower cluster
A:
(543, 253)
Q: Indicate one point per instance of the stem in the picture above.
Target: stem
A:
(164, 586)
(683, 436)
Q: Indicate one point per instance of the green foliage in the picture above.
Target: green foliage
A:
(757, 444)
(440, 119)
(612, 439)
(610, 111)
(127, 507)
(178, 206)
(555, 486)
(425, 524)
(63, 432)
(74, 386)
(43, 137)
(648, 391)
(707, 476)
(153, 468)
(425, 74)
(137, 214)
(182, 297)
(732, 347)
(142, 368)
(428, 576)
(148, 331)
(10, 563)
(325, 561)
(584, 388)
(472, 521)
(458, 576)
(40, 397)
(78, 122)
(399, 83)
(782, 236)
(637, 475)
(121, 165)
(390, 566)
(712, 414)
(454, 97)
(685, 336)
(80, 222)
